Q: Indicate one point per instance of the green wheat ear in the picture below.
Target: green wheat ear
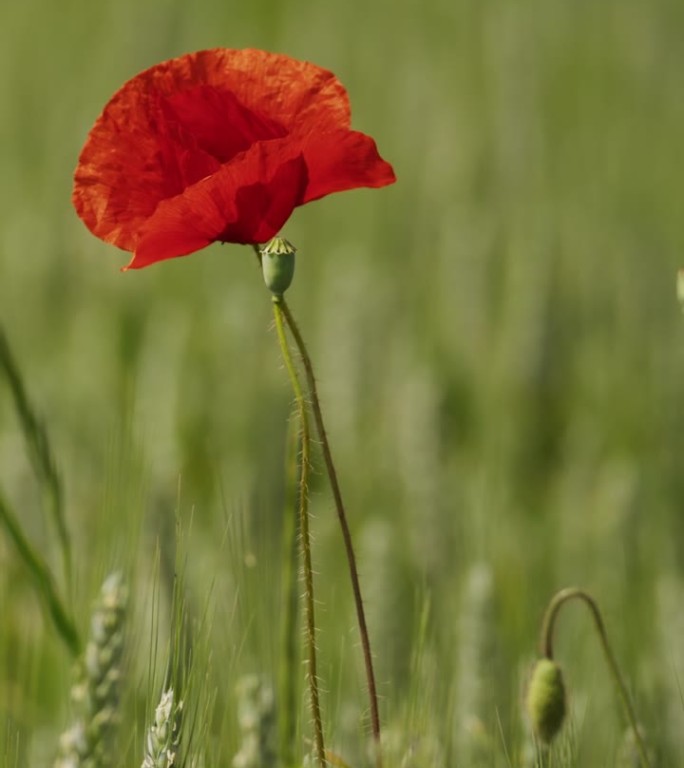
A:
(257, 720)
(546, 704)
(163, 737)
(95, 695)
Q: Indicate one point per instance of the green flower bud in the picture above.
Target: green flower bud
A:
(278, 264)
(546, 700)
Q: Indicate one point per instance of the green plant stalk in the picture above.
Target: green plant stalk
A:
(344, 525)
(543, 758)
(41, 575)
(40, 453)
(304, 532)
(290, 657)
(548, 625)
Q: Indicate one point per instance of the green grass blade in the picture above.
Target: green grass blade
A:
(39, 451)
(43, 579)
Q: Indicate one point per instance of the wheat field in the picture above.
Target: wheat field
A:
(500, 357)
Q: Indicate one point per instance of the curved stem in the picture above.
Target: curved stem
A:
(304, 533)
(558, 600)
(342, 517)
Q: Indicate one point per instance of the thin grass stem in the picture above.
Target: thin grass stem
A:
(38, 568)
(40, 453)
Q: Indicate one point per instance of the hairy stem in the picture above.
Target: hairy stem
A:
(290, 657)
(304, 532)
(344, 525)
(552, 611)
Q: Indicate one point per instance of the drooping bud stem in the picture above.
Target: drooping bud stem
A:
(558, 600)
(278, 265)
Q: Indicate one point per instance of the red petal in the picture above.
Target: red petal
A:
(296, 94)
(134, 157)
(343, 160)
(247, 201)
(218, 123)
(265, 206)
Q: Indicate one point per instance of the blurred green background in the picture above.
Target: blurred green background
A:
(497, 342)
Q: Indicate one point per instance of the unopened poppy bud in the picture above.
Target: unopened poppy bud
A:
(278, 264)
(546, 700)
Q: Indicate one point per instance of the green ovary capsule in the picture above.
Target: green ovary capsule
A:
(278, 264)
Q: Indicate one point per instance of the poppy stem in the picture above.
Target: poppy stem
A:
(344, 525)
(546, 644)
(305, 536)
(290, 659)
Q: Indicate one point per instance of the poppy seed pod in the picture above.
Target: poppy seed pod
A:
(546, 700)
(278, 264)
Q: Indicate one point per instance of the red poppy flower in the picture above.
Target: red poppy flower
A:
(218, 145)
